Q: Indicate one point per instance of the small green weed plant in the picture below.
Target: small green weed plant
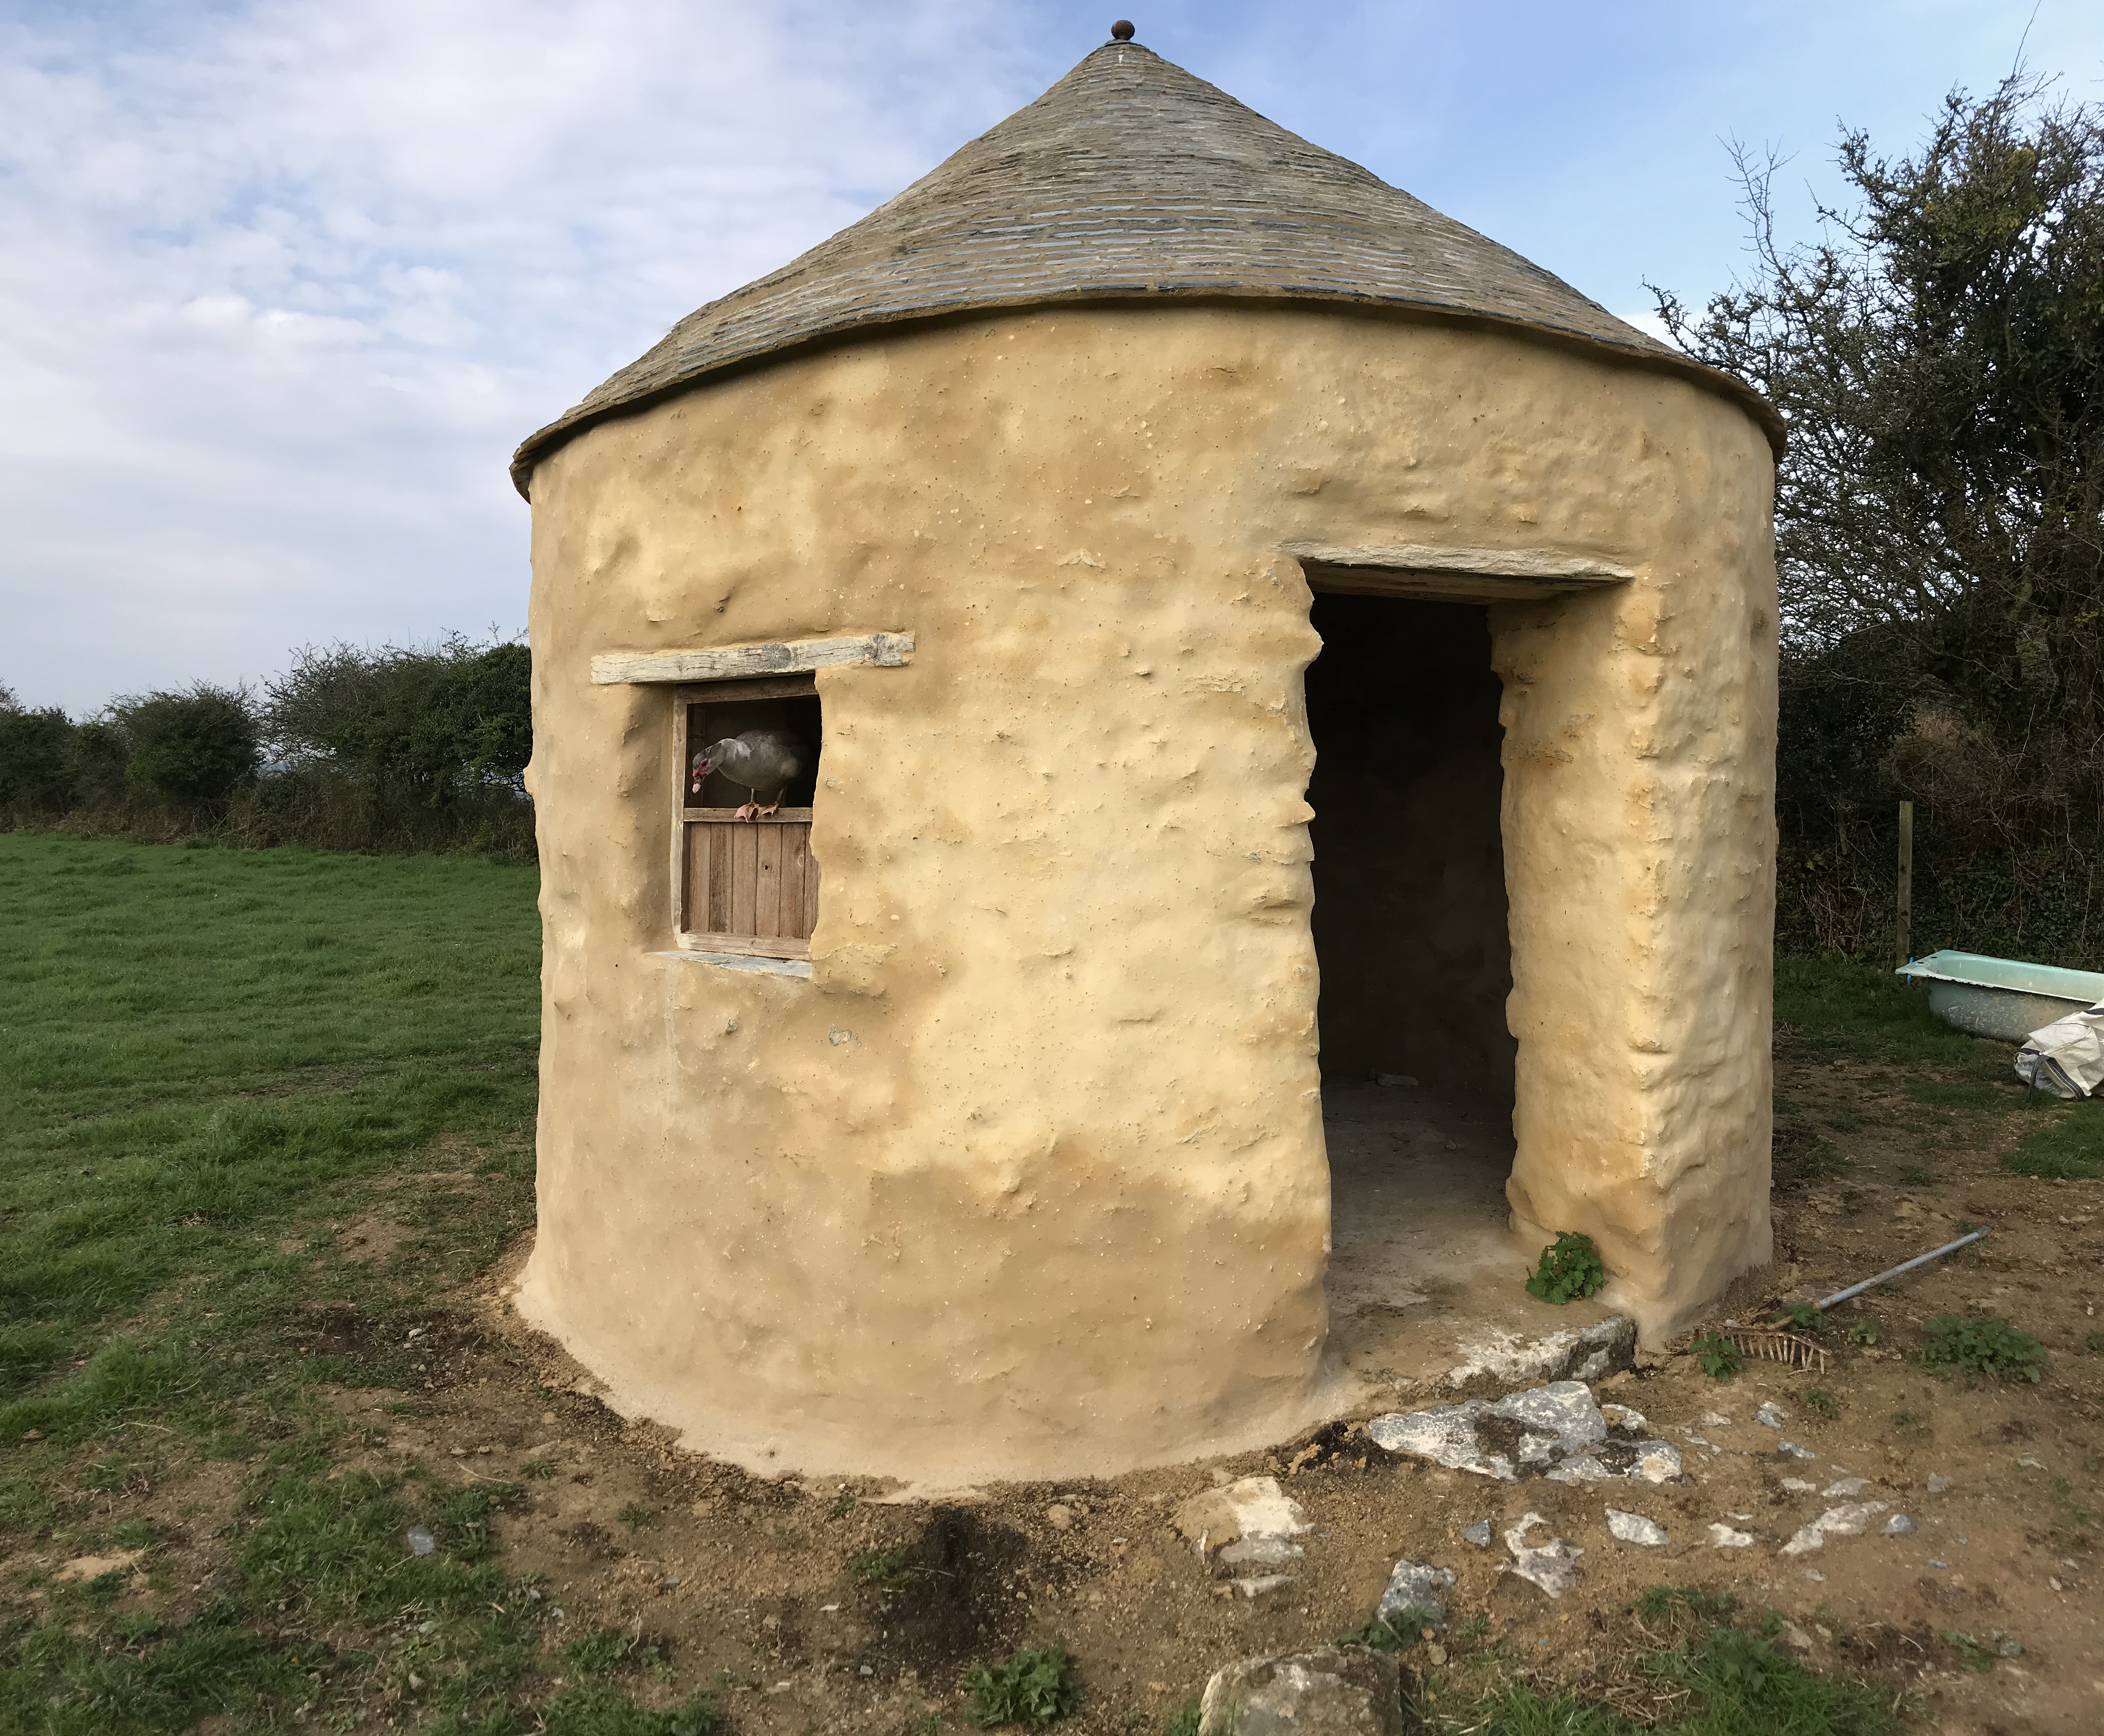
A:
(1871, 1331)
(1980, 1655)
(1822, 1402)
(1184, 1721)
(1569, 1268)
(1719, 1356)
(1800, 1316)
(1392, 1633)
(1033, 1688)
(1976, 1343)
(880, 1570)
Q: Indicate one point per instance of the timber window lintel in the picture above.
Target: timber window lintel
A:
(739, 662)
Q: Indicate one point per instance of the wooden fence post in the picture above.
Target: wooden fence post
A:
(1907, 882)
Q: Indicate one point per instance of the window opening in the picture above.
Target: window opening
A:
(744, 879)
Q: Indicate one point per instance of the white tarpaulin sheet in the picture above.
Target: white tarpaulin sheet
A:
(2066, 1056)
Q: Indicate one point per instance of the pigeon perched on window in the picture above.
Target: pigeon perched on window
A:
(758, 759)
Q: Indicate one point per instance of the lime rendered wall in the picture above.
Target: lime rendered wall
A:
(1027, 1178)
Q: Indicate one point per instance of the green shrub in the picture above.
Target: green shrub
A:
(1184, 1721)
(425, 725)
(191, 750)
(1982, 1344)
(1033, 1687)
(35, 772)
(1570, 1266)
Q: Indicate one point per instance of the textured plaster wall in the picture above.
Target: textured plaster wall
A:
(1027, 1178)
(1409, 917)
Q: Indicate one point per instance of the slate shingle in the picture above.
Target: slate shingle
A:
(1129, 179)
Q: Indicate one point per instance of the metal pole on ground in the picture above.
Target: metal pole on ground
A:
(1907, 882)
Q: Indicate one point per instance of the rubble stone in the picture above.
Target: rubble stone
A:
(1246, 1531)
(1634, 1528)
(1552, 1566)
(1416, 1585)
(1582, 1353)
(1848, 1520)
(1556, 1431)
(1334, 1690)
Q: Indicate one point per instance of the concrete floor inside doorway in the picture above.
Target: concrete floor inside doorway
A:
(1425, 1274)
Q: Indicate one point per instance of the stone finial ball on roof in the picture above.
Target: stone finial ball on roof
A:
(1121, 31)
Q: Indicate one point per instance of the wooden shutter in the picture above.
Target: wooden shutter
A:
(748, 886)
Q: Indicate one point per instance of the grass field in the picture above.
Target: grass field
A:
(212, 1062)
(219, 1070)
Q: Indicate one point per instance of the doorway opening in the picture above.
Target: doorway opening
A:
(1411, 941)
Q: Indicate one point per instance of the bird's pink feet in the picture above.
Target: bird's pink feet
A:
(750, 811)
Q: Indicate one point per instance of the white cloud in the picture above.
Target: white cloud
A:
(281, 287)
(284, 281)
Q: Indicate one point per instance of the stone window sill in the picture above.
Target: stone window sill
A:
(743, 961)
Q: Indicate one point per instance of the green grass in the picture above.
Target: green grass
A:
(211, 1062)
(201, 1052)
(1719, 1680)
(1844, 1009)
(1865, 1012)
(2070, 1145)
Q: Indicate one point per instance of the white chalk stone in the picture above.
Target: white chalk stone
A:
(1849, 1520)
(1416, 1585)
(1634, 1528)
(1552, 1566)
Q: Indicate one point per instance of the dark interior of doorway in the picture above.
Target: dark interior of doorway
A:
(1409, 888)
(1410, 931)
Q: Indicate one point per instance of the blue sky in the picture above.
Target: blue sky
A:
(282, 284)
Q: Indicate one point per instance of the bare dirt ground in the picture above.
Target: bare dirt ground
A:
(835, 1607)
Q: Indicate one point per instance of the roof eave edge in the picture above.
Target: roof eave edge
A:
(543, 442)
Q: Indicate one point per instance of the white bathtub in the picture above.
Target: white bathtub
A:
(2004, 998)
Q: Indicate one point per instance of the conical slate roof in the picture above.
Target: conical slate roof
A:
(1128, 180)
